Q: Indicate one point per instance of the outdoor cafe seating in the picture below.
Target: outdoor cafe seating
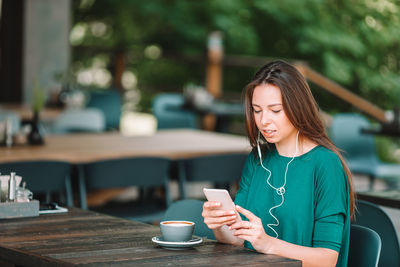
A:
(221, 170)
(372, 216)
(168, 108)
(79, 120)
(365, 247)
(359, 149)
(49, 180)
(109, 102)
(143, 172)
(114, 164)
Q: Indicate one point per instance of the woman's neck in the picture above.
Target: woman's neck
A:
(288, 149)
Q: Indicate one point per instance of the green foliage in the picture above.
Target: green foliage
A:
(386, 149)
(353, 42)
(39, 97)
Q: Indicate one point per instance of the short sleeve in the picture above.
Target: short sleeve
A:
(331, 203)
(245, 181)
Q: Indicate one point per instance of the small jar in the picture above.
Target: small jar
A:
(23, 195)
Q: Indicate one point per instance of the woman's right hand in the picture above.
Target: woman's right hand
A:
(214, 217)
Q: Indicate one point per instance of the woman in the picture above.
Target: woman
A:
(296, 195)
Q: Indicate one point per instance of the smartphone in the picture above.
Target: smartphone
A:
(45, 208)
(222, 196)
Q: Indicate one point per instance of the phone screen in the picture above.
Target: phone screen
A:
(220, 195)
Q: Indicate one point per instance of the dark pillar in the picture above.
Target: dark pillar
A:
(11, 45)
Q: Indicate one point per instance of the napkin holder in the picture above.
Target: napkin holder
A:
(10, 210)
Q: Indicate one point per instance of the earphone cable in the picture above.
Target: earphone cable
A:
(279, 190)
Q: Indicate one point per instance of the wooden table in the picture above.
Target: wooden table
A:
(173, 144)
(83, 148)
(92, 239)
(388, 198)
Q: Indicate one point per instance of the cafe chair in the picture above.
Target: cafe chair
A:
(79, 120)
(169, 112)
(222, 170)
(365, 247)
(189, 210)
(359, 149)
(48, 178)
(375, 218)
(143, 172)
(109, 102)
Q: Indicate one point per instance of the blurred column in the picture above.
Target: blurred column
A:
(118, 69)
(214, 65)
(214, 73)
(46, 50)
(11, 31)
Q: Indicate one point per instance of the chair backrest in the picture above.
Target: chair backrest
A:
(365, 247)
(79, 120)
(373, 217)
(346, 133)
(189, 210)
(109, 102)
(169, 112)
(124, 172)
(219, 169)
(43, 177)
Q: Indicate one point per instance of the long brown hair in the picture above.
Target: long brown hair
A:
(300, 108)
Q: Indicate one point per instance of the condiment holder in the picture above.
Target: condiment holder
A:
(16, 201)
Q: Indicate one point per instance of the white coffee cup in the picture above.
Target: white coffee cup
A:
(177, 231)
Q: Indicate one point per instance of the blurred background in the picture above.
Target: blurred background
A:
(69, 48)
(137, 66)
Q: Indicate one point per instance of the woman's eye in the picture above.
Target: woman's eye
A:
(256, 111)
(276, 111)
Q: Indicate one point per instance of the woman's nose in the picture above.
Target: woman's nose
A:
(265, 120)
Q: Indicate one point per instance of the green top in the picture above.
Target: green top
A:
(315, 212)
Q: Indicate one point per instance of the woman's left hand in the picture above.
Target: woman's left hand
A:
(251, 231)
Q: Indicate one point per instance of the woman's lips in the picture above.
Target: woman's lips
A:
(269, 133)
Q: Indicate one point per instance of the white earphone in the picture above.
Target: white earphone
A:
(279, 190)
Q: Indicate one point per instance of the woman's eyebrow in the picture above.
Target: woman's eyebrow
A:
(273, 105)
(270, 105)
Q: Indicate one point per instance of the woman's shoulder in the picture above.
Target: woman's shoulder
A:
(321, 152)
(251, 159)
(328, 165)
(322, 158)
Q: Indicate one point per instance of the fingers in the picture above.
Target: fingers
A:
(212, 209)
(214, 217)
(241, 225)
(247, 214)
(211, 204)
(244, 236)
(244, 230)
(214, 225)
(217, 222)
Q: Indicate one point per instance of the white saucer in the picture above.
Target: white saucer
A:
(177, 245)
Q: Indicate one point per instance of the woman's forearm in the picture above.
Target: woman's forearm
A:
(309, 256)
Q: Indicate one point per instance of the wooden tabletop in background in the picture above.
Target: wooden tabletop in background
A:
(92, 239)
(387, 198)
(173, 144)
